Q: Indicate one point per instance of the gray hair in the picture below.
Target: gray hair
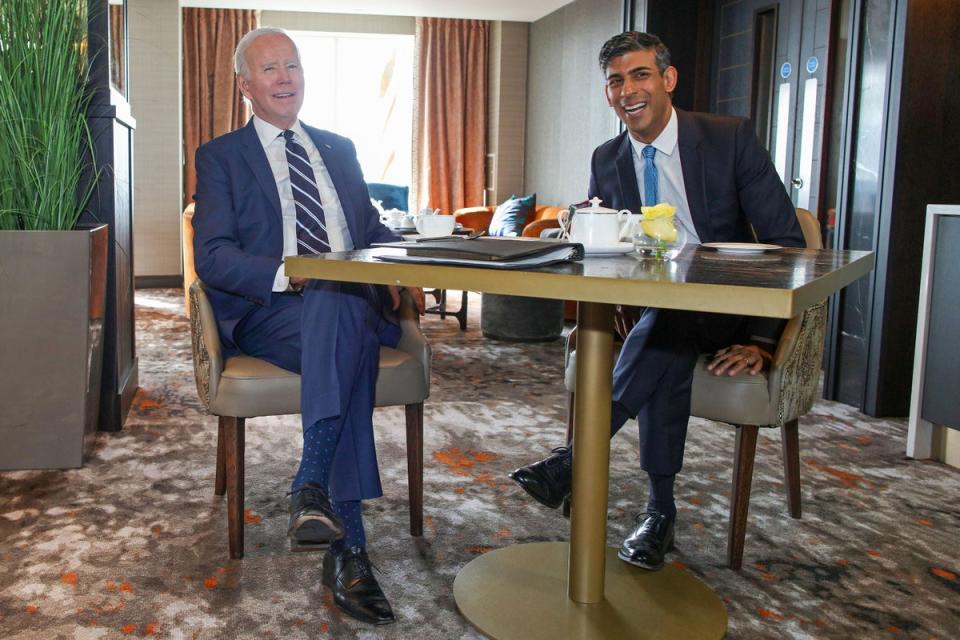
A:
(629, 41)
(240, 55)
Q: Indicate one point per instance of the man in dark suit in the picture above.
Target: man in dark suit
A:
(722, 183)
(275, 188)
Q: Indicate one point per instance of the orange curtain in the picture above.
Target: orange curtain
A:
(451, 112)
(212, 104)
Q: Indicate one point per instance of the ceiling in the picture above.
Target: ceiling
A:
(515, 10)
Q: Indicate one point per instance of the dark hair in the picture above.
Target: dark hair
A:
(634, 41)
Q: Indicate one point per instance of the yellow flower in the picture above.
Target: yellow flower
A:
(662, 210)
(658, 222)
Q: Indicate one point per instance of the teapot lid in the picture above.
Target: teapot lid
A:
(595, 207)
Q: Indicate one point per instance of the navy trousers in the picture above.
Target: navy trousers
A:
(284, 335)
(653, 377)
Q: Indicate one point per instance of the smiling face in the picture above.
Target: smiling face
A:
(639, 93)
(274, 80)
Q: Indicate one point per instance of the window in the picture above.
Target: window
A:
(361, 86)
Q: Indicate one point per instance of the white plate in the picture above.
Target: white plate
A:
(611, 250)
(741, 247)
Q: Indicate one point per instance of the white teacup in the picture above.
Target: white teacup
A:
(433, 226)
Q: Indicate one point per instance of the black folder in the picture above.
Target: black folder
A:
(485, 251)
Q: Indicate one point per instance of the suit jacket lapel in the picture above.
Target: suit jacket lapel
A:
(256, 158)
(334, 164)
(627, 175)
(691, 161)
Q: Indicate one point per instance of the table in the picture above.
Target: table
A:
(519, 591)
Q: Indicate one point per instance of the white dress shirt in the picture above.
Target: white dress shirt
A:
(670, 171)
(275, 147)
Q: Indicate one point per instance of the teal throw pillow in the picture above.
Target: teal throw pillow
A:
(511, 216)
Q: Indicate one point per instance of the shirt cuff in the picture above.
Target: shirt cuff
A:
(280, 281)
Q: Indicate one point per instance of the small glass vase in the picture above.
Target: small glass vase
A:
(654, 248)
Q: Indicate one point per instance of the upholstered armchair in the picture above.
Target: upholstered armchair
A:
(776, 398)
(242, 387)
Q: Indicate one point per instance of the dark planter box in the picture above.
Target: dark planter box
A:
(52, 287)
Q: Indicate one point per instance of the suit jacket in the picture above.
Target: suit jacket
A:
(730, 182)
(238, 241)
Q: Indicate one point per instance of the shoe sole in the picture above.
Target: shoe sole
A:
(541, 500)
(313, 533)
(636, 563)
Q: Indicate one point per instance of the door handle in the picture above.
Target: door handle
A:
(797, 183)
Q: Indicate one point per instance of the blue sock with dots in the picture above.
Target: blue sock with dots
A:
(351, 515)
(319, 445)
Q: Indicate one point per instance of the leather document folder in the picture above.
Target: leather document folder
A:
(508, 253)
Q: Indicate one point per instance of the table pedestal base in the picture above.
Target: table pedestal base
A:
(521, 592)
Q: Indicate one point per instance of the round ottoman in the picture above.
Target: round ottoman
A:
(520, 319)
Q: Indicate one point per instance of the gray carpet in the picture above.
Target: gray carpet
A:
(134, 544)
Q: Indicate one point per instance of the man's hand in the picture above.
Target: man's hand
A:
(625, 318)
(297, 284)
(415, 292)
(737, 357)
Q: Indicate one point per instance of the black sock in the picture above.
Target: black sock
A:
(661, 495)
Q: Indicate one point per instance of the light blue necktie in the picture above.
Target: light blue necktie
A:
(651, 179)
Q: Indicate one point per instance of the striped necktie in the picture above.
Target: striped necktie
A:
(651, 179)
(311, 225)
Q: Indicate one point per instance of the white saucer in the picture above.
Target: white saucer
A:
(741, 247)
(610, 250)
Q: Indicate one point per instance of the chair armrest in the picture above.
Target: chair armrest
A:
(476, 218)
(412, 340)
(533, 229)
(207, 358)
(794, 374)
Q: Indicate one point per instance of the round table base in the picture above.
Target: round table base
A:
(521, 592)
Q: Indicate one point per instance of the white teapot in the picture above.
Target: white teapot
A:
(595, 226)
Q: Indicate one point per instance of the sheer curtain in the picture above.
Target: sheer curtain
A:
(212, 104)
(450, 112)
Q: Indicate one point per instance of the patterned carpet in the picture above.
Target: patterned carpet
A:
(134, 544)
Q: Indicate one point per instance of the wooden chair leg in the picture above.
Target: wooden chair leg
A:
(743, 456)
(415, 466)
(233, 428)
(790, 442)
(571, 406)
(220, 484)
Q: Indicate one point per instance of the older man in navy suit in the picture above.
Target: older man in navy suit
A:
(275, 188)
(722, 183)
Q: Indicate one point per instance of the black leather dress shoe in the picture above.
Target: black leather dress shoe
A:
(349, 575)
(313, 525)
(548, 481)
(649, 542)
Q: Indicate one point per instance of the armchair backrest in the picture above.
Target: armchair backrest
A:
(207, 358)
(795, 372)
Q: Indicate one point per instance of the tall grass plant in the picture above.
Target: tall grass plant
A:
(46, 149)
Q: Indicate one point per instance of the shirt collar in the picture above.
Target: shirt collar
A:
(268, 133)
(666, 142)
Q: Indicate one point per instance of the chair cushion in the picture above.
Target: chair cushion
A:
(511, 215)
(401, 379)
(739, 399)
(251, 387)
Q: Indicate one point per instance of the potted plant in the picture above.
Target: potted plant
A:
(52, 275)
